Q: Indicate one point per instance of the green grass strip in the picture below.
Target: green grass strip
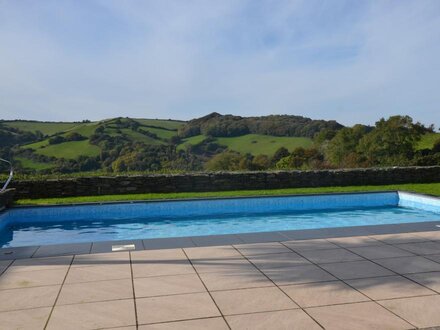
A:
(428, 188)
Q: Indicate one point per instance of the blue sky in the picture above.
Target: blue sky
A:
(353, 61)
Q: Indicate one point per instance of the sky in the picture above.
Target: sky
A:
(354, 61)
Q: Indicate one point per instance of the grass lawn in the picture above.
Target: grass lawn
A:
(254, 144)
(257, 144)
(70, 150)
(29, 163)
(428, 188)
(427, 141)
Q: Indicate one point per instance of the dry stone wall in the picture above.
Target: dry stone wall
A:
(221, 181)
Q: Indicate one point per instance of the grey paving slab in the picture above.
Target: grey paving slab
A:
(289, 319)
(102, 247)
(422, 248)
(298, 275)
(408, 265)
(323, 293)
(431, 280)
(423, 312)
(17, 252)
(381, 251)
(216, 240)
(34, 318)
(359, 316)
(389, 287)
(262, 237)
(95, 315)
(62, 249)
(175, 308)
(356, 269)
(329, 256)
(4, 264)
(168, 243)
(212, 323)
(252, 300)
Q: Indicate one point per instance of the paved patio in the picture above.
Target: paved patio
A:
(361, 282)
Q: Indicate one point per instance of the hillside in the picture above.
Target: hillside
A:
(42, 151)
(216, 142)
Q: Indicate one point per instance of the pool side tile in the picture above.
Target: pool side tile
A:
(399, 238)
(323, 293)
(15, 299)
(167, 285)
(11, 279)
(423, 248)
(288, 319)
(261, 248)
(33, 264)
(146, 268)
(34, 318)
(330, 256)
(262, 237)
(222, 265)
(408, 265)
(175, 308)
(112, 258)
(62, 249)
(389, 287)
(356, 269)
(279, 260)
(298, 275)
(423, 312)
(17, 252)
(356, 241)
(95, 315)
(381, 251)
(212, 323)
(235, 280)
(95, 291)
(433, 235)
(431, 280)
(252, 300)
(310, 245)
(359, 316)
(168, 243)
(214, 252)
(216, 240)
(102, 247)
(98, 273)
(4, 264)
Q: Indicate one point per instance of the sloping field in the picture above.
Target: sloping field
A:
(47, 128)
(254, 144)
(427, 141)
(70, 150)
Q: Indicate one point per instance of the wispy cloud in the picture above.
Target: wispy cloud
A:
(353, 61)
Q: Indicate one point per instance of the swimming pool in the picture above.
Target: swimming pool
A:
(26, 226)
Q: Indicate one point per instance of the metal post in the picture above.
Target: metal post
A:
(11, 174)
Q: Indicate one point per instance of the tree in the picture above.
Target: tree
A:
(391, 142)
(344, 145)
(279, 154)
(225, 161)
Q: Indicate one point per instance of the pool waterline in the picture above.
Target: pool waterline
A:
(88, 223)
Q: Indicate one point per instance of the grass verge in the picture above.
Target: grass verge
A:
(428, 188)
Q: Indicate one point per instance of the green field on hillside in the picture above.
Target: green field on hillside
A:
(254, 144)
(29, 163)
(70, 150)
(427, 141)
(257, 144)
(47, 128)
(169, 124)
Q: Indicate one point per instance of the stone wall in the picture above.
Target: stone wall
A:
(222, 181)
(6, 198)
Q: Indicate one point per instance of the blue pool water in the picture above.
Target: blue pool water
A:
(89, 223)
